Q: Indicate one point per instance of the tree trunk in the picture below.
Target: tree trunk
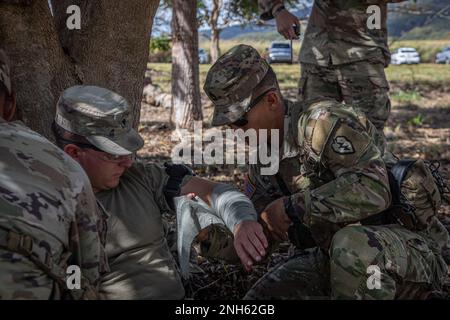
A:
(215, 31)
(215, 49)
(110, 50)
(186, 104)
(39, 68)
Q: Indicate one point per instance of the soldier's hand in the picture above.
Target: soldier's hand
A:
(276, 220)
(250, 242)
(285, 22)
(191, 195)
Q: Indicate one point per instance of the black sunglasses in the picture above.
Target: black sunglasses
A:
(242, 121)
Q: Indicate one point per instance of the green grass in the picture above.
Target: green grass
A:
(424, 73)
(406, 96)
(288, 76)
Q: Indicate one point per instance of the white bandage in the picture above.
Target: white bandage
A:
(232, 206)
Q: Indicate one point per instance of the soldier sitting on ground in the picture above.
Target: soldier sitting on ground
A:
(48, 213)
(330, 195)
(93, 126)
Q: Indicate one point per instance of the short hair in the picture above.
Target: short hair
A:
(64, 137)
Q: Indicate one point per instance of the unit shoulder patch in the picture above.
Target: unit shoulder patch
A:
(342, 145)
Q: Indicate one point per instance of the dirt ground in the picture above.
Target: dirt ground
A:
(418, 127)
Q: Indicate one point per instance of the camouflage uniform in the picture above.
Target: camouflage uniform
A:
(341, 58)
(333, 173)
(48, 217)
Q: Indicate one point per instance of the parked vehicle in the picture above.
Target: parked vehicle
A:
(405, 56)
(443, 56)
(280, 52)
(203, 56)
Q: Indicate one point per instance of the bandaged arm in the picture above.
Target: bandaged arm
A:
(231, 205)
(227, 202)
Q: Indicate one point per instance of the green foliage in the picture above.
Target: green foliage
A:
(417, 121)
(437, 29)
(246, 9)
(160, 44)
(421, 23)
(160, 49)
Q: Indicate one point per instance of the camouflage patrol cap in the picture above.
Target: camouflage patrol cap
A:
(231, 81)
(99, 115)
(5, 78)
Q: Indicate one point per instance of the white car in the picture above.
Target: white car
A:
(203, 56)
(280, 52)
(405, 55)
(443, 56)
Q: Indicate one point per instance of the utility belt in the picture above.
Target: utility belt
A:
(25, 245)
(399, 211)
(417, 189)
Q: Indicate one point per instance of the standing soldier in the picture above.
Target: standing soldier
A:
(343, 54)
(339, 212)
(48, 213)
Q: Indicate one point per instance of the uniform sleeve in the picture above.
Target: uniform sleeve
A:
(156, 178)
(360, 187)
(256, 191)
(86, 241)
(266, 7)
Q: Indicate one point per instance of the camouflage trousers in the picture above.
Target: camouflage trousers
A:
(362, 84)
(304, 276)
(21, 279)
(364, 262)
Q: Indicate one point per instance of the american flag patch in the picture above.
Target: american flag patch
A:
(249, 187)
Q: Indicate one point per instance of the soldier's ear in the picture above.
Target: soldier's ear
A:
(73, 151)
(10, 106)
(273, 100)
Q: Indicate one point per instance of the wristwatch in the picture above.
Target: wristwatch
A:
(277, 9)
